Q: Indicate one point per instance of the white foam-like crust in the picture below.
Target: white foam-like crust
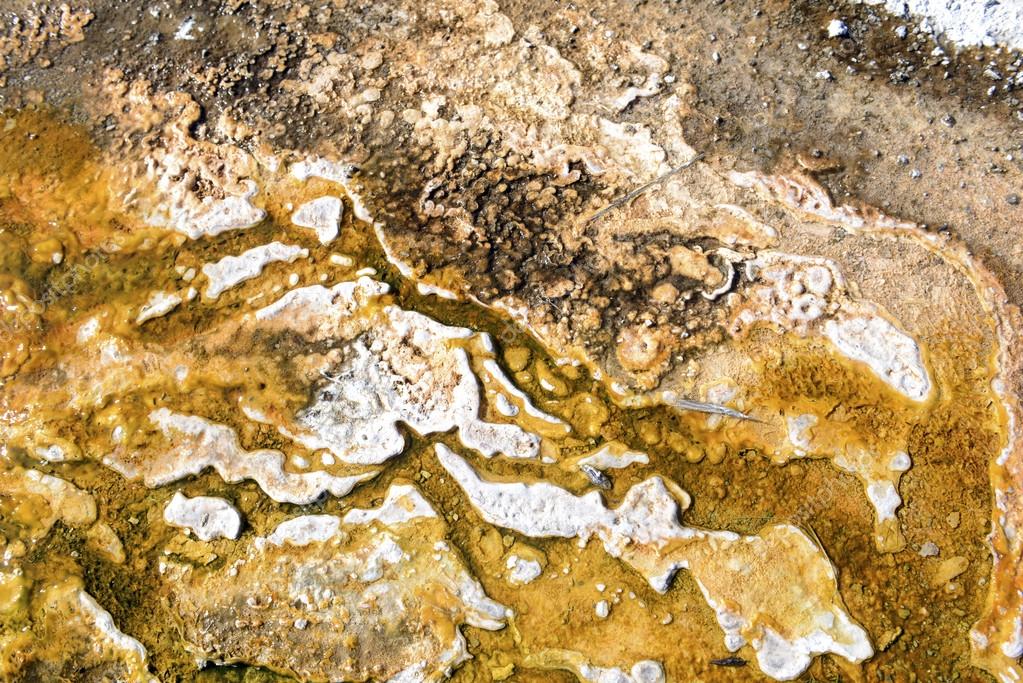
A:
(796, 428)
(536, 510)
(335, 172)
(301, 531)
(199, 443)
(521, 570)
(402, 504)
(900, 462)
(967, 23)
(614, 456)
(728, 567)
(889, 352)
(504, 406)
(215, 216)
(207, 517)
(105, 627)
(643, 671)
(428, 289)
(885, 498)
(231, 271)
(402, 367)
(323, 215)
(158, 304)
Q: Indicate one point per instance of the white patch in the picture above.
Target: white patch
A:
(159, 304)
(427, 289)
(403, 504)
(602, 609)
(234, 212)
(837, 28)
(614, 456)
(106, 628)
(966, 23)
(644, 671)
(88, 330)
(301, 531)
(797, 432)
(199, 443)
(536, 510)
(900, 462)
(885, 498)
(335, 172)
(522, 571)
(184, 31)
(207, 517)
(401, 367)
(322, 215)
(233, 270)
(891, 354)
(495, 371)
(504, 406)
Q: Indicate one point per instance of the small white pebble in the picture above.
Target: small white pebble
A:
(929, 549)
(602, 609)
(837, 28)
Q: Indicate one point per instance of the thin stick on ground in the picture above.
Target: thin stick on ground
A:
(621, 201)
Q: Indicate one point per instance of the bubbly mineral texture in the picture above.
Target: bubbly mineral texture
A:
(507, 341)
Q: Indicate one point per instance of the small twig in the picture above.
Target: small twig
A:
(711, 408)
(729, 661)
(643, 188)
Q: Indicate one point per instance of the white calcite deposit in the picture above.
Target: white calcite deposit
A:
(644, 671)
(207, 517)
(342, 599)
(613, 455)
(196, 443)
(522, 570)
(889, 352)
(234, 270)
(212, 217)
(776, 591)
(397, 366)
(337, 172)
(322, 215)
(158, 304)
